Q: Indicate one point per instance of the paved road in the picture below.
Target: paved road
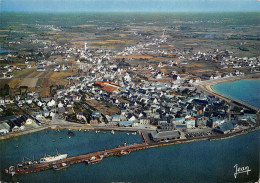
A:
(103, 126)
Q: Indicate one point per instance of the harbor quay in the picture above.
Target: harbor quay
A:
(90, 158)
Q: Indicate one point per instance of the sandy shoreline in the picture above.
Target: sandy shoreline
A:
(208, 86)
(16, 134)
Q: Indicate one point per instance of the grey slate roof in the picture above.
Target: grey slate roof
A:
(226, 126)
(165, 134)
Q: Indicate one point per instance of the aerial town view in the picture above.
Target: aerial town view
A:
(129, 91)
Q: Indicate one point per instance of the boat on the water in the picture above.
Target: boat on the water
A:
(113, 132)
(124, 152)
(94, 160)
(70, 133)
(49, 158)
(61, 166)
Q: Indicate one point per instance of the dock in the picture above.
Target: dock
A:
(79, 159)
(246, 105)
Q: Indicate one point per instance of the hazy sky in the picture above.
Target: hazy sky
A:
(128, 5)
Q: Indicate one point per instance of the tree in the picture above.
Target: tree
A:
(9, 112)
(5, 91)
(237, 109)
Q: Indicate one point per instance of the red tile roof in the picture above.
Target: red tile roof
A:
(107, 87)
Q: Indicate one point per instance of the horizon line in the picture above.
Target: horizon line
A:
(180, 11)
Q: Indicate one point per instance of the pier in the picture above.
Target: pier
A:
(244, 104)
(78, 159)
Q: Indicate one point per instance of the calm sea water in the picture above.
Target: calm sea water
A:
(205, 161)
(35, 146)
(245, 90)
(2, 50)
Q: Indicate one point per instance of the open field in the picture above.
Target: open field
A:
(201, 71)
(33, 78)
(87, 25)
(14, 83)
(24, 73)
(195, 65)
(136, 57)
(61, 74)
(30, 82)
(190, 33)
(105, 108)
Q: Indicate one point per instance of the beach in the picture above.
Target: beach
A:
(206, 86)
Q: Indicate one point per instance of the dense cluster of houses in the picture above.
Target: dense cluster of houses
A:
(14, 123)
(174, 105)
(227, 60)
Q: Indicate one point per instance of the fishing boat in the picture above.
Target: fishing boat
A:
(61, 166)
(70, 133)
(27, 163)
(124, 152)
(94, 160)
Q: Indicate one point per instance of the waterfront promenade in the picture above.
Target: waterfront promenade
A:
(56, 123)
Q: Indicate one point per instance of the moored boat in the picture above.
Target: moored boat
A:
(94, 160)
(124, 152)
(61, 166)
(70, 133)
(10, 170)
(49, 158)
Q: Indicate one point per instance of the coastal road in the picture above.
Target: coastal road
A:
(66, 124)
